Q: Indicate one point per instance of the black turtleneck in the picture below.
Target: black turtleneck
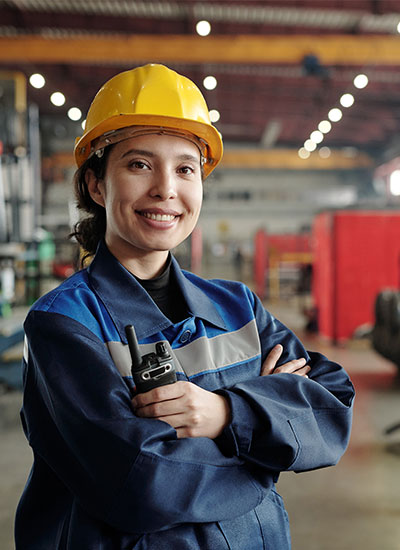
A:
(166, 294)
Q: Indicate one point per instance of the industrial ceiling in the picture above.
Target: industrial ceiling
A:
(280, 66)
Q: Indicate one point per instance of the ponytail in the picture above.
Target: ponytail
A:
(90, 230)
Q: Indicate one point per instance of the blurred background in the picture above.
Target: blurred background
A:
(304, 208)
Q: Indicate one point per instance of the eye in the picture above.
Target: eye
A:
(186, 170)
(139, 165)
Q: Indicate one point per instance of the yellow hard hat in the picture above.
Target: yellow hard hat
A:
(152, 95)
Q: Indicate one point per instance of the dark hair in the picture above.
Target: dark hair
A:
(90, 230)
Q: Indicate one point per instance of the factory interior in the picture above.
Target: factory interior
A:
(304, 207)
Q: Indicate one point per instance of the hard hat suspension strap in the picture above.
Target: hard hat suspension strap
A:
(115, 136)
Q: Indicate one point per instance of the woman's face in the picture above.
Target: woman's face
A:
(152, 192)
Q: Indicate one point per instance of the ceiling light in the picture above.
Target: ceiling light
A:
(303, 153)
(335, 114)
(83, 124)
(317, 136)
(210, 82)
(214, 115)
(203, 28)
(347, 100)
(398, 27)
(360, 81)
(324, 126)
(324, 152)
(74, 113)
(310, 145)
(394, 182)
(57, 99)
(37, 80)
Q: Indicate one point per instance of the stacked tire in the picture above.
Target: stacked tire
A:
(386, 331)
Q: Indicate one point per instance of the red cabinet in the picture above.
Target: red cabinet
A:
(356, 254)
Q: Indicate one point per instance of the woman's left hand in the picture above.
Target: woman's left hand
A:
(192, 411)
(296, 366)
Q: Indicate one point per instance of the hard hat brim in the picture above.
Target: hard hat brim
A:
(206, 132)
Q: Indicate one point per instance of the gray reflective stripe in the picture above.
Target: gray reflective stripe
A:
(26, 349)
(227, 349)
(201, 355)
(121, 357)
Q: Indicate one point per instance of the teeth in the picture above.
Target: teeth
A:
(159, 217)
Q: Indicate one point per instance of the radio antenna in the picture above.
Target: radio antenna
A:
(133, 346)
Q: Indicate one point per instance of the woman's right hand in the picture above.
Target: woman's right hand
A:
(296, 366)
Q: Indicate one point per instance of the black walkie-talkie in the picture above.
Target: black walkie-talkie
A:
(153, 369)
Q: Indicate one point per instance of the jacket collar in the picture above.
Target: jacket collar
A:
(128, 303)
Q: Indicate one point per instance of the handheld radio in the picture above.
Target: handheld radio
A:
(153, 369)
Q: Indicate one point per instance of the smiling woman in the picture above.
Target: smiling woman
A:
(125, 457)
(152, 195)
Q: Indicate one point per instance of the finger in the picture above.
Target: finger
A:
(177, 421)
(291, 366)
(161, 409)
(189, 430)
(162, 393)
(184, 432)
(303, 372)
(184, 424)
(271, 360)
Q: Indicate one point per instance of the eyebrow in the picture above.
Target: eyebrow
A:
(138, 152)
(145, 153)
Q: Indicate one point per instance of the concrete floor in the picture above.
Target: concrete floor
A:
(353, 506)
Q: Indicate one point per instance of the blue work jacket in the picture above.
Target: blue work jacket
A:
(104, 479)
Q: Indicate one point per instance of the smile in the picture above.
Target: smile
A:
(158, 217)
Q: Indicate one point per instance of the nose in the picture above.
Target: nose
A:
(165, 185)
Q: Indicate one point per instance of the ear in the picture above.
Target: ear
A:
(95, 187)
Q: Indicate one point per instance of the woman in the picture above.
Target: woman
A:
(188, 465)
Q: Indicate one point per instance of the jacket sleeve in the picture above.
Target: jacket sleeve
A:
(288, 422)
(132, 473)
